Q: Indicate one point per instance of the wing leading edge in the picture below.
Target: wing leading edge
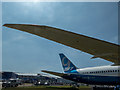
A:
(96, 47)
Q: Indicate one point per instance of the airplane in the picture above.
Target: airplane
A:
(101, 75)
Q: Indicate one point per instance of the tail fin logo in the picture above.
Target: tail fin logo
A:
(66, 64)
(63, 62)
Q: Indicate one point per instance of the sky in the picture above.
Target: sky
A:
(24, 52)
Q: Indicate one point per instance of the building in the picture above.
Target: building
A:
(9, 75)
(32, 78)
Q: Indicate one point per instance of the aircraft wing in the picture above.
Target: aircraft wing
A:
(96, 47)
(54, 73)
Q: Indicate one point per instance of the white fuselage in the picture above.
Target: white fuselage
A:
(101, 70)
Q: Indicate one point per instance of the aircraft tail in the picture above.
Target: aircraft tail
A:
(68, 66)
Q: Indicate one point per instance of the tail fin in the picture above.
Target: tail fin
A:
(68, 66)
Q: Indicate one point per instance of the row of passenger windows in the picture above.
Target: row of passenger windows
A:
(101, 71)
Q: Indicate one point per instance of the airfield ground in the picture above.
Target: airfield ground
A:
(56, 88)
(49, 88)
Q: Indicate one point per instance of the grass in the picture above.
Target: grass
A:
(49, 88)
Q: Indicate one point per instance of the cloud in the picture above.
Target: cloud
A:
(115, 39)
(41, 11)
(14, 39)
(20, 48)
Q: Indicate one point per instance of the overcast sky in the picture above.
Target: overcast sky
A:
(23, 52)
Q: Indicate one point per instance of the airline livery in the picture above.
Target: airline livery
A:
(102, 75)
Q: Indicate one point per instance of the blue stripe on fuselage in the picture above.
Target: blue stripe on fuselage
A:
(73, 71)
(94, 79)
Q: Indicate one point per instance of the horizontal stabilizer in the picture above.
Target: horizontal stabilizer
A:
(54, 73)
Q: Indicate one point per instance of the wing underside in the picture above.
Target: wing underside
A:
(96, 47)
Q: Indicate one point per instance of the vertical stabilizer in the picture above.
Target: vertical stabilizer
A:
(68, 66)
